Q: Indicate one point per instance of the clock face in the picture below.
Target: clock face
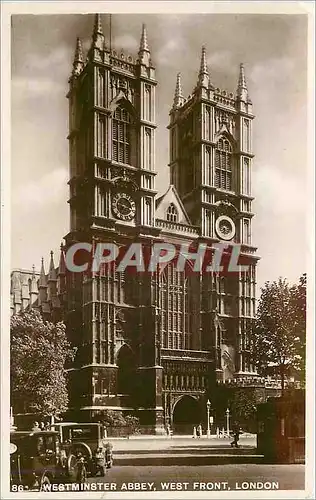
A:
(123, 206)
(225, 227)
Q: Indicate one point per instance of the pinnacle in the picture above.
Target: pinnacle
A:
(143, 41)
(178, 95)
(204, 79)
(203, 66)
(242, 91)
(42, 280)
(52, 271)
(78, 51)
(97, 30)
(242, 78)
(62, 265)
(78, 59)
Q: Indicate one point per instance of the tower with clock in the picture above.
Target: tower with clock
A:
(156, 344)
(210, 166)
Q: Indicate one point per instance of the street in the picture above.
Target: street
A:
(202, 478)
(155, 443)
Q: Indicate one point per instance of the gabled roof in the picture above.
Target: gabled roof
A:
(162, 204)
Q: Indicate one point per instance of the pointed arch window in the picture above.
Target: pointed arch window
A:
(223, 165)
(176, 309)
(172, 213)
(122, 135)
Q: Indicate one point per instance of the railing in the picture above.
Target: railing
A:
(176, 226)
(122, 63)
(179, 353)
(221, 97)
(259, 381)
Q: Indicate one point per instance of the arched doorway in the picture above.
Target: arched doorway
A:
(186, 414)
(126, 371)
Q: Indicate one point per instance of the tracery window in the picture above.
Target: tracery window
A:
(176, 315)
(223, 165)
(122, 125)
(172, 213)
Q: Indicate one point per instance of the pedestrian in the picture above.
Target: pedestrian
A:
(42, 426)
(199, 430)
(194, 432)
(81, 469)
(168, 429)
(100, 465)
(217, 432)
(236, 433)
(36, 427)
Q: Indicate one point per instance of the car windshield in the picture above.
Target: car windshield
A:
(36, 443)
(83, 433)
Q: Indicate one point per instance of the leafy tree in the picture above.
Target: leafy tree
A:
(112, 418)
(279, 331)
(299, 326)
(39, 351)
(128, 424)
(133, 423)
(243, 408)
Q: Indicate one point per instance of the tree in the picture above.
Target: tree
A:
(243, 408)
(112, 418)
(299, 326)
(39, 351)
(279, 331)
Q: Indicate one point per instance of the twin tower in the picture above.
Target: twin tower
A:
(158, 345)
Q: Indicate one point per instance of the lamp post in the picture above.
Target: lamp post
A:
(227, 420)
(208, 406)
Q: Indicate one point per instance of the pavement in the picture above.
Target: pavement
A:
(183, 450)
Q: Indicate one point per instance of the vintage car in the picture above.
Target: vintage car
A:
(36, 459)
(86, 440)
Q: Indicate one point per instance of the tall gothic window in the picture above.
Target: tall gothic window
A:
(176, 315)
(172, 213)
(122, 124)
(223, 165)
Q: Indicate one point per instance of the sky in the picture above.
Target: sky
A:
(273, 49)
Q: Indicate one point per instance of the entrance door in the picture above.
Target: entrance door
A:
(186, 415)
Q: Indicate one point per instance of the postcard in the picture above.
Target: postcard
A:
(158, 216)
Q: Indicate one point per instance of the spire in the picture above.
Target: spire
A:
(78, 59)
(203, 66)
(78, 52)
(62, 264)
(97, 29)
(144, 52)
(52, 271)
(42, 279)
(242, 91)
(178, 96)
(61, 283)
(204, 78)
(143, 41)
(97, 35)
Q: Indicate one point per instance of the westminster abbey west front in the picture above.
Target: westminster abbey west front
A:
(161, 344)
